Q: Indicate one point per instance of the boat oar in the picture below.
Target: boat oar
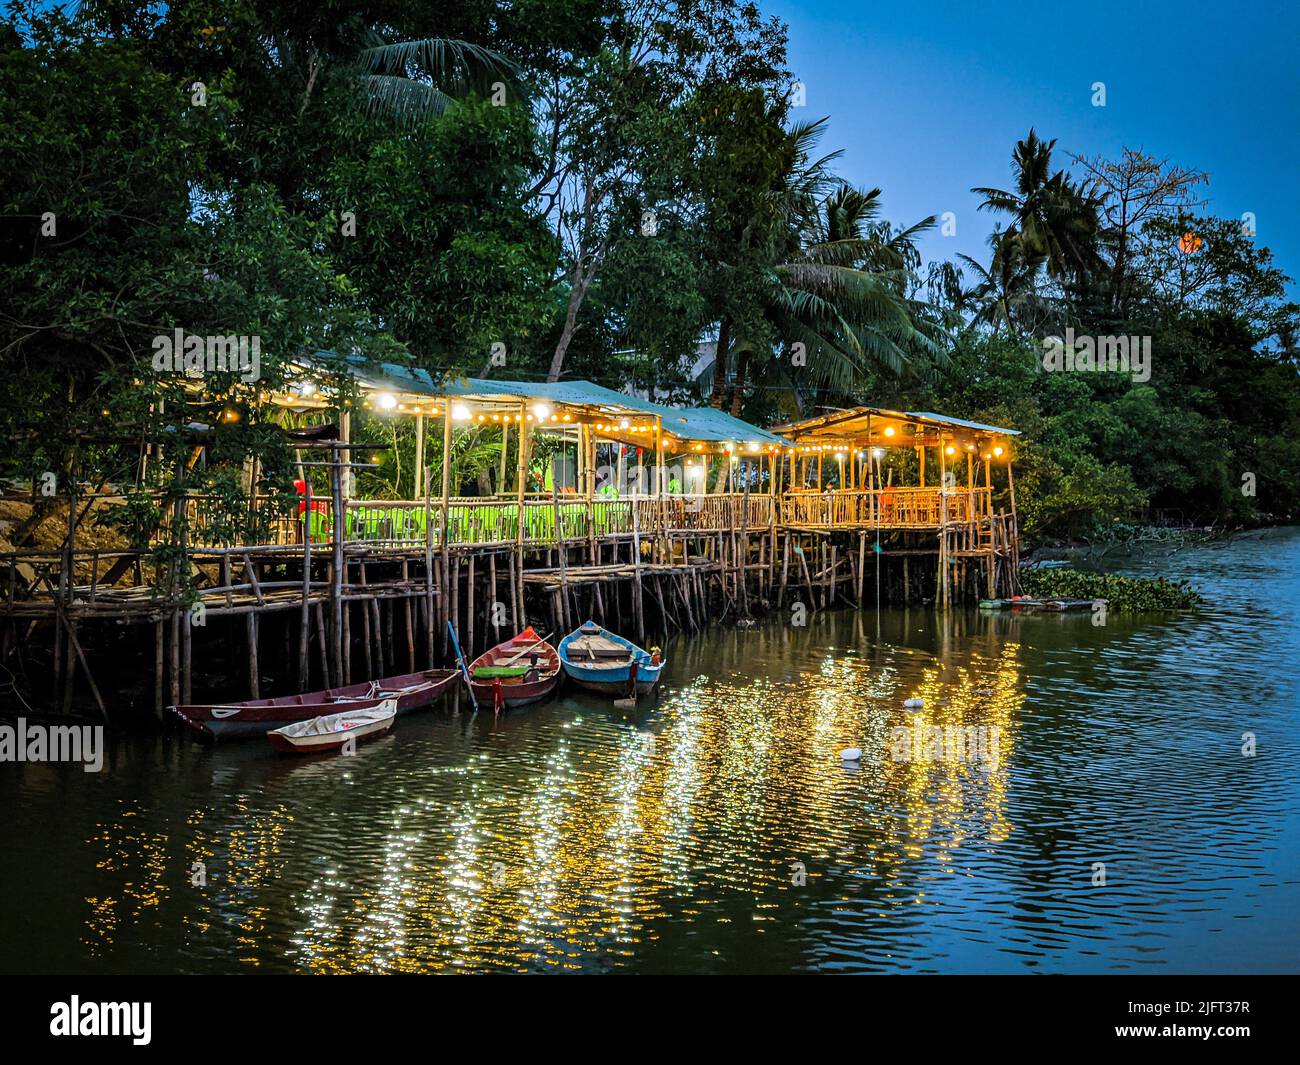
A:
(464, 669)
(519, 654)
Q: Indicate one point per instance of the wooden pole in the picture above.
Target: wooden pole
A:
(505, 447)
(431, 625)
(638, 605)
(336, 578)
(418, 492)
(943, 526)
(304, 631)
(250, 622)
(563, 553)
(521, 476)
(444, 583)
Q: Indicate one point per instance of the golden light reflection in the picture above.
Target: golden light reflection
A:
(575, 837)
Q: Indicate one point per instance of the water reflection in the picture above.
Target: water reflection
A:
(718, 829)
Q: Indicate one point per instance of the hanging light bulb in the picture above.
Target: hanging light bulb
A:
(386, 400)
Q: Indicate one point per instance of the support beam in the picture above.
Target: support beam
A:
(419, 456)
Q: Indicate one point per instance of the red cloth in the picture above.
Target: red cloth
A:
(317, 504)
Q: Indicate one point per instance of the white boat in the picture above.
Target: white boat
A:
(332, 731)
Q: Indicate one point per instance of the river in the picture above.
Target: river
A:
(1098, 814)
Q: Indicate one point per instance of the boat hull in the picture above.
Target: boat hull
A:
(614, 689)
(330, 742)
(613, 679)
(256, 717)
(517, 691)
(516, 695)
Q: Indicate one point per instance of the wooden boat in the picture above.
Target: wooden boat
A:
(255, 717)
(1030, 603)
(332, 731)
(522, 670)
(605, 662)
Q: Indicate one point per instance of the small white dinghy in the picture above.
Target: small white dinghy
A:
(332, 731)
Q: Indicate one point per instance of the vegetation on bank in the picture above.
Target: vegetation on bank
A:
(1126, 595)
(592, 187)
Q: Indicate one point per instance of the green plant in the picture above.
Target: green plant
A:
(1127, 595)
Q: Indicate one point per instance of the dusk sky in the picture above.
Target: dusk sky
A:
(928, 100)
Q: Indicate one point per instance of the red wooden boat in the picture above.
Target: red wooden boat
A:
(522, 670)
(256, 717)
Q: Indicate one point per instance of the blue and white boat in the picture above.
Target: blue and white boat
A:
(603, 661)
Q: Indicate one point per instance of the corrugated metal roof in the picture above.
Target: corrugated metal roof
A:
(978, 426)
(709, 423)
(688, 423)
(839, 421)
(705, 424)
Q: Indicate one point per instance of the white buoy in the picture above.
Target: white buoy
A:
(914, 704)
(851, 754)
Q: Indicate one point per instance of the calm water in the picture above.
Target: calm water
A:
(718, 830)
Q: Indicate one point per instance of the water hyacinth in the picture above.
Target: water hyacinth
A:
(1128, 595)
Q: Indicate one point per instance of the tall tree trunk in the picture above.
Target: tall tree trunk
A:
(577, 291)
(717, 396)
(743, 354)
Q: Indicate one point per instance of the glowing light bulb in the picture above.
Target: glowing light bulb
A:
(386, 400)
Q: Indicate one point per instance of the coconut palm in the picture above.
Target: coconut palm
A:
(839, 280)
(1005, 292)
(411, 79)
(1055, 222)
(416, 79)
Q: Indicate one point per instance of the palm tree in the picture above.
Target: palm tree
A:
(838, 281)
(1055, 221)
(411, 79)
(416, 79)
(1006, 292)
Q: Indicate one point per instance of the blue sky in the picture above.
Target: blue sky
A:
(928, 98)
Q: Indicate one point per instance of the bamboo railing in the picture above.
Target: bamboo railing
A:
(887, 508)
